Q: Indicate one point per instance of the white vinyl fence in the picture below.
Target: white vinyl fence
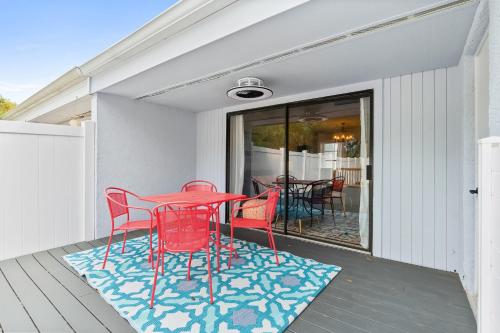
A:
(489, 235)
(43, 172)
(267, 162)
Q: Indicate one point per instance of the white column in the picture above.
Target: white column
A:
(494, 38)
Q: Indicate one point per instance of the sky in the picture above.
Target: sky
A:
(43, 39)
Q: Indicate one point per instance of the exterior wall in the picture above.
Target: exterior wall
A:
(42, 187)
(417, 214)
(142, 147)
(422, 169)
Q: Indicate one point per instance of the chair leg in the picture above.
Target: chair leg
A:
(151, 255)
(217, 239)
(343, 204)
(107, 250)
(209, 268)
(189, 265)
(124, 241)
(333, 211)
(231, 248)
(154, 280)
(312, 207)
(162, 261)
(273, 245)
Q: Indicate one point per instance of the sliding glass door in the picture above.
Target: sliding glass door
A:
(319, 154)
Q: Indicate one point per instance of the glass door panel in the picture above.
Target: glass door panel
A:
(257, 153)
(328, 155)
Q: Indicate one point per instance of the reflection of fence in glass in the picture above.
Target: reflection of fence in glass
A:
(268, 163)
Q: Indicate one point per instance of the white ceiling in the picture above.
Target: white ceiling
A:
(431, 42)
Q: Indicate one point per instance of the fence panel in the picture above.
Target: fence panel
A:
(41, 187)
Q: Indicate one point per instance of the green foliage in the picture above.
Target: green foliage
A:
(5, 105)
(301, 136)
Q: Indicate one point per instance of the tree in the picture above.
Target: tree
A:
(5, 105)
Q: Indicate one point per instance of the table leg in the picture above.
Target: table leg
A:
(217, 236)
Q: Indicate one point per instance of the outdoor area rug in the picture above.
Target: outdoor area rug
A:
(255, 295)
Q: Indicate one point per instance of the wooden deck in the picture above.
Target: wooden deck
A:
(40, 292)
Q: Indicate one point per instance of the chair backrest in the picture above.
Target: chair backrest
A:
(352, 176)
(316, 191)
(281, 178)
(259, 186)
(273, 196)
(199, 185)
(338, 184)
(117, 201)
(182, 226)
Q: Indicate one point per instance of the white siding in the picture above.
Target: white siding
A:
(41, 196)
(417, 141)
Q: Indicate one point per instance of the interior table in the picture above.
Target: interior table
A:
(212, 199)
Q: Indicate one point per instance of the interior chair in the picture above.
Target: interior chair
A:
(337, 192)
(314, 194)
(118, 205)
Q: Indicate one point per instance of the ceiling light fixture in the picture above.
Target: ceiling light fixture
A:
(249, 88)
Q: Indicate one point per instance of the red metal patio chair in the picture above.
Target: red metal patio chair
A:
(204, 186)
(199, 185)
(259, 215)
(118, 206)
(182, 228)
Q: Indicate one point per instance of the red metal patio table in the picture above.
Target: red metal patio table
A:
(214, 199)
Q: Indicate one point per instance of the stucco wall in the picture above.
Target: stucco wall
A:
(143, 147)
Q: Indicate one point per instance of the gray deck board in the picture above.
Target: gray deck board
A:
(13, 316)
(369, 295)
(75, 313)
(45, 316)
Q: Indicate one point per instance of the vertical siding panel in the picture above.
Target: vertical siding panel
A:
(416, 172)
(46, 199)
(76, 188)
(428, 168)
(406, 168)
(440, 169)
(453, 181)
(16, 147)
(4, 194)
(60, 186)
(395, 168)
(386, 173)
(29, 194)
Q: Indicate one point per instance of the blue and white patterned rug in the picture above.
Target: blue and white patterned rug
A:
(254, 295)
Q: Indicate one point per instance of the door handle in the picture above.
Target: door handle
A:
(369, 172)
(474, 191)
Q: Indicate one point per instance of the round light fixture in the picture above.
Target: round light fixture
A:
(311, 117)
(249, 88)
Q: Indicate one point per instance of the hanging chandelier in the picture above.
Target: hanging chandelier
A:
(343, 136)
